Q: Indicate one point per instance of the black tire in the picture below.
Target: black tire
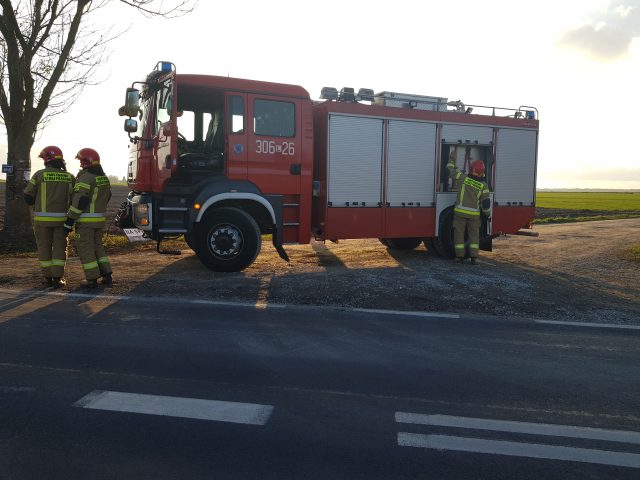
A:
(228, 240)
(189, 239)
(402, 243)
(443, 243)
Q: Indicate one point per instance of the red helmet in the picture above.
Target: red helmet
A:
(51, 153)
(88, 158)
(477, 168)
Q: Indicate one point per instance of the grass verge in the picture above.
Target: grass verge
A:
(632, 253)
(611, 201)
(543, 221)
(16, 251)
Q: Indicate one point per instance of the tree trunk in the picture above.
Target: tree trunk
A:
(17, 233)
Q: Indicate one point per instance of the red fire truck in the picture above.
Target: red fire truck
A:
(223, 161)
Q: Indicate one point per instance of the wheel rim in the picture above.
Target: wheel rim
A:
(225, 241)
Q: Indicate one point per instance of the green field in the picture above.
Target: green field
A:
(562, 207)
(603, 201)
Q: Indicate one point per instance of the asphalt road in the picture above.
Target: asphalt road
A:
(124, 388)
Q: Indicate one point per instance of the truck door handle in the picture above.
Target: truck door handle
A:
(295, 169)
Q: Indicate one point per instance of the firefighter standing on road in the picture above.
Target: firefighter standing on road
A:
(88, 209)
(473, 198)
(49, 191)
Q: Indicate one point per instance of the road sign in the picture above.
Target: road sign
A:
(7, 168)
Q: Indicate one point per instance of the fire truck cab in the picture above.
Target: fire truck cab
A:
(224, 161)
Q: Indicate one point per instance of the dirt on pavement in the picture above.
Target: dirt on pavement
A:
(574, 272)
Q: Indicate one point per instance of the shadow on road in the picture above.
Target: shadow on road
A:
(405, 280)
(368, 275)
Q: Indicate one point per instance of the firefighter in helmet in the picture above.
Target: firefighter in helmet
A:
(87, 212)
(472, 200)
(49, 191)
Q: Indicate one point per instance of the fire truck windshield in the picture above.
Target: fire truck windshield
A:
(155, 110)
(142, 117)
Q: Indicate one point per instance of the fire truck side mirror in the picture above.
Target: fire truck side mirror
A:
(130, 125)
(131, 102)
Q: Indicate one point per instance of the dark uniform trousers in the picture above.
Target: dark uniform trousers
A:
(52, 249)
(93, 257)
(472, 227)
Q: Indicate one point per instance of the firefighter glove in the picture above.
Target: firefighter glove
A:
(68, 226)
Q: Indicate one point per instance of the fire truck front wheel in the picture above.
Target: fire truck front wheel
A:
(227, 240)
(189, 240)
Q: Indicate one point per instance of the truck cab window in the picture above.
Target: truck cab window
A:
(200, 142)
(237, 114)
(186, 125)
(274, 119)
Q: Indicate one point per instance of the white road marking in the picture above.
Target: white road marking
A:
(406, 312)
(21, 298)
(624, 436)
(16, 389)
(587, 324)
(270, 306)
(517, 449)
(215, 410)
(100, 296)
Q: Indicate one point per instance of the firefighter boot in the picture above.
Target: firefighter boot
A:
(47, 282)
(58, 282)
(107, 279)
(459, 260)
(474, 261)
(89, 283)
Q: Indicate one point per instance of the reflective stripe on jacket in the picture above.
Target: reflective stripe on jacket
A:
(51, 189)
(90, 197)
(471, 194)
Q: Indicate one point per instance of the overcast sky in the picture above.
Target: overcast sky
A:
(577, 61)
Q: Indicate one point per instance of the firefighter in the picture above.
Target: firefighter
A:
(472, 200)
(87, 212)
(49, 191)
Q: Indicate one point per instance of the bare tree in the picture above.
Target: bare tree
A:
(46, 58)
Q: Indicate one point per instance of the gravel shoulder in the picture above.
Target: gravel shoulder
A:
(570, 272)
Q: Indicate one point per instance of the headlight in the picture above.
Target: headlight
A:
(141, 214)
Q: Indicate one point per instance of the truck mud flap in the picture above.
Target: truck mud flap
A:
(277, 242)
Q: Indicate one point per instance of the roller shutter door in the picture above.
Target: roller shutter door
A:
(355, 161)
(411, 163)
(516, 166)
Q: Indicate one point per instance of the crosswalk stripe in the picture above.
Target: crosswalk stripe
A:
(520, 427)
(517, 449)
(215, 410)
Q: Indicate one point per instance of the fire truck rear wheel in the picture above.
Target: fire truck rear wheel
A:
(402, 243)
(228, 240)
(443, 243)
